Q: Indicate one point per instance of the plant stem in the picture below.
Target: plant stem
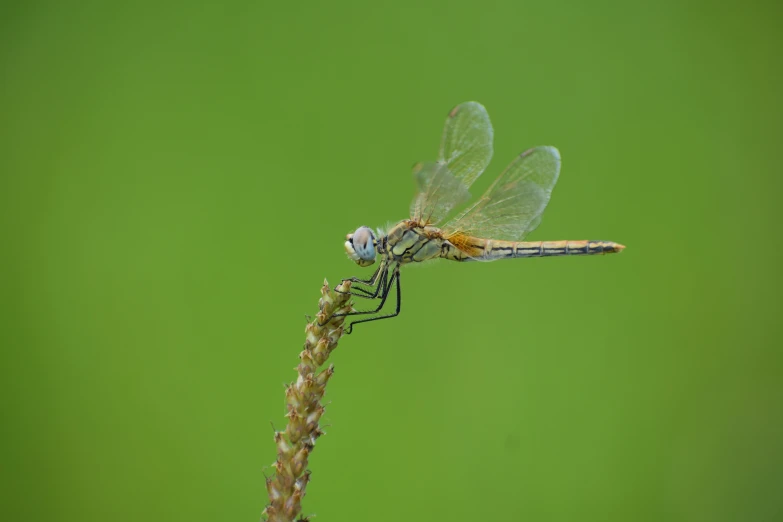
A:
(303, 401)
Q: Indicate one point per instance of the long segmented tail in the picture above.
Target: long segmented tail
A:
(467, 248)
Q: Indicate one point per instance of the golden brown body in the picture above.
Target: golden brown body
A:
(409, 241)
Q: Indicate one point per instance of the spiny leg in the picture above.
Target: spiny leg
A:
(386, 286)
(382, 285)
(380, 272)
(395, 276)
(367, 294)
(373, 277)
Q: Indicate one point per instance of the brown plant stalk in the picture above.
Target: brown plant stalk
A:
(303, 401)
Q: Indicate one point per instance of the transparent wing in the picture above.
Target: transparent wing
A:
(512, 206)
(465, 151)
(438, 192)
(466, 145)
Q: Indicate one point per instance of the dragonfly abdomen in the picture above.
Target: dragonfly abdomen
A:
(564, 248)
(479, 249)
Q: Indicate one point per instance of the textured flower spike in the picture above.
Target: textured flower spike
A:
(303, 401)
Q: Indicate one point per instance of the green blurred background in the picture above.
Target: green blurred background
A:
(177, 180)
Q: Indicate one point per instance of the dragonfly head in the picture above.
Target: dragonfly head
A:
(360, 246)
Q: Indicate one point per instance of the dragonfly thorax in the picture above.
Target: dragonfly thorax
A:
(361, 246)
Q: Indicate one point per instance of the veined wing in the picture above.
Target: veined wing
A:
(465, 151)
(439, 192)
(512, 206)
(466, 145)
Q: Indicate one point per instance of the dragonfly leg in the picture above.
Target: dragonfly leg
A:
(358, 291)
(373, 278)
(395, 278)
(367, 294)
(385, 286)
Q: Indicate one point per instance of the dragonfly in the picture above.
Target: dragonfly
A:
(489, 229)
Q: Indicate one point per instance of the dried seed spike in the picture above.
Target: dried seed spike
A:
(284, 449)
(323, 377)
(314, 416)
(304, 408)
(303, 368)
(299, 461)
(312, 337)
(334, 336)
(292, 505)
(286, 481)
(290, 391)
(272, 491)
(301, 483)
(308, 380)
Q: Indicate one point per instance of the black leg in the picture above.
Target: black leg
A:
(367, 294)
(373, 277)
(395, 277)
(383, 287)
(358, 291)
(384, 294)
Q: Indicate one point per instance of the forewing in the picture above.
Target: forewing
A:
(465, 151)
(512, 206)
(438, 192)
(466, 145)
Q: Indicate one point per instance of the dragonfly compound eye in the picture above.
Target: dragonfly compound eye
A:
(361, 246)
